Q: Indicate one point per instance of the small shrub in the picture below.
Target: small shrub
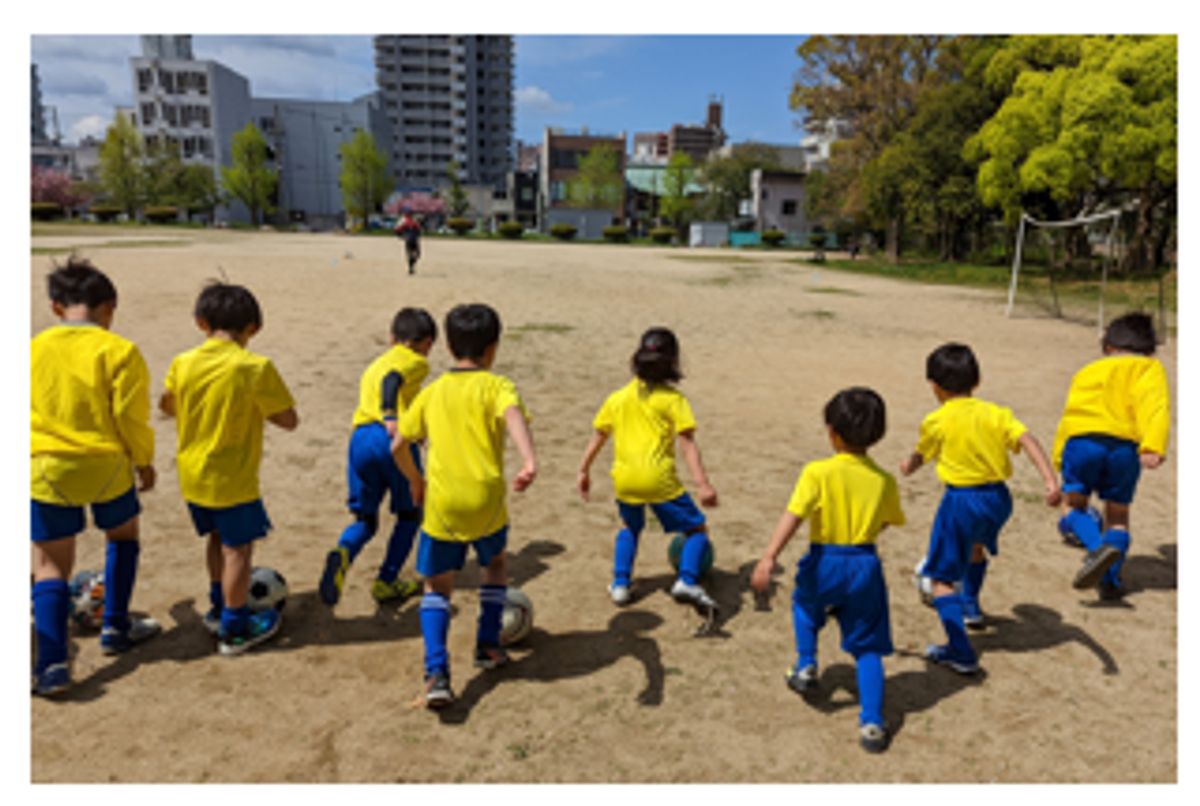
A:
(460, 226)
(616, 233)
(564, 232)
(662, 234)
(817, 239)
(511, 229)
(45, 211)
(773, 237)
(161, 214)
(105, 212)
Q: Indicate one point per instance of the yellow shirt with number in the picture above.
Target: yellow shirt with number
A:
(411, 368)
(90, 423)
(461, 415)
(1123, 396)
(847, 500)
(644, 421)
(223, 393)
(971, 439)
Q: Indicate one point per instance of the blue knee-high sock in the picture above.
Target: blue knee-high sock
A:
(624, 553)
(972, 585)
(491, 610)
(51, 607)
(869, 670)
(215, 597)
(806, 636)
(235, 620)
(1079, 522)
(950, 611)
(692, 556)
(120, 571)
(1119, 538)
(435, 626)
(357, 535)
(399, 547)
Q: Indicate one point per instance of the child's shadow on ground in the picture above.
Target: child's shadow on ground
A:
(725, 587)
(1143, 573)
(1037, 627)
(553, 657)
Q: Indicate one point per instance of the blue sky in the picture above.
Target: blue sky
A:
(607, 83)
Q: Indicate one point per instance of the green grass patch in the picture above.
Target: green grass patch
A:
(543, 327)
(51, 250)
(830, 289)
(745, 274)
(817, 313)
(740, 261)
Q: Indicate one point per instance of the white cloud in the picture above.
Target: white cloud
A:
(551, 51)
(536, 99)
(93, 125)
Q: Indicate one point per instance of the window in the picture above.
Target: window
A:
(147, 113)
(789, 207)
(145, 79)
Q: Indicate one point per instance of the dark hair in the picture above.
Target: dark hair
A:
(656, 359)
(413, 324)
(472, 329)
(79, 282)
(857, 415)
(1133, 332)
(954, 368)
(223, 306)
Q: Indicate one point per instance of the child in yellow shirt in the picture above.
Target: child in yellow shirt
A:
(1115, 422)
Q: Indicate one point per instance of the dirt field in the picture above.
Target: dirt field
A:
(1071, 691)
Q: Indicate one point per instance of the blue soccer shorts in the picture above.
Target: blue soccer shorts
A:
(237, 525)
(677, 515)
(966, 516)
(847, 581)
(54, 522)
(1098, 463)
(371, 472)
(436, 556)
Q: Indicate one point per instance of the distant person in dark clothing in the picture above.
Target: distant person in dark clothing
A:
(410, 230)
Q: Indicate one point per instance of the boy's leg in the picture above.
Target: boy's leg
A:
(438, 561)
(691, 558)
(625, 548)
(807, 619)
(235, 584)
(119, 520)
(973, 585)
(400, 542)
(869, 671)
(492, 596)
(215, 561)
(1080, 522)
(53, 561)
(957, 653)
(1117, 535)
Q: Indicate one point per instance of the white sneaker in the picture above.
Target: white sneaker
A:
(693, 595)
(620, 594)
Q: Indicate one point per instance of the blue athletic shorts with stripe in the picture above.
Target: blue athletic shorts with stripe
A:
(846, 581)
(439, 556)
(371, 472)
(54, 522)
(677, 515)
(966, 516)
(1098, 463)
(237, 525)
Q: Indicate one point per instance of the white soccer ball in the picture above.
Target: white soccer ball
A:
(87, 599)
(268, 589)
(925, 584)
(517, 619)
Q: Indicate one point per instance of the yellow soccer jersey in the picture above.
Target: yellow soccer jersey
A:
(389, 384)
(847, 500)
(90, 410)
(461, 414)
(223, 392)
(644, 421)
(971, 440)
(1123, 396)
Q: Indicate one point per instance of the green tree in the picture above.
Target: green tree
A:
(598, 184)
(677, 207)
(364, 178)
(249, 179)
(457, 201)
(727, 179)
(198, 192)
(162, 169)
(121, 172)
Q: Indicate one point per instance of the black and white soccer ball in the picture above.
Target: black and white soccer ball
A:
(924, 583)
(87, 599)
(268, 589)
(517, 618)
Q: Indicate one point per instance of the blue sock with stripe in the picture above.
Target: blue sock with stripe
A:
(692, 556)
(51, 608)
(1084, 527)
(120, 571)
(806, 635)
(624, 553)
(235, 621)
(869, 671)
(1120, 538)
(972, 584)
(215, 597)
(950, 611)
(435, 626)
(491, 611)
(399, 547)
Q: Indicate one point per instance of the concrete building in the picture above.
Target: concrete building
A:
(820, 136)
(777, 202)
(698, 141)
(650, 148)
(447, 98)
(37, 113)
(561, 152)
(529, 156)
(790, 158)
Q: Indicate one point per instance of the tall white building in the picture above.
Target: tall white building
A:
(819, 136)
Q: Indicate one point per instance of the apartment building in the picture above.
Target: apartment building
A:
(37, 113)
(819, 136)
(698, 141)
(447, 98)
(650, 148)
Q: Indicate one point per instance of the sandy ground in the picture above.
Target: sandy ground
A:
(1071, 691)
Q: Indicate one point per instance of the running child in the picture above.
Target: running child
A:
(219, 394)
(1116, 421)
(848, 500)
(464, 415)
(386, 389)
(409, 229)
(971, 440)
(90, 440)
(645, 418)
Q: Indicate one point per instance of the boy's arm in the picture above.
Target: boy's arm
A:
(519, 429)
(166, 403)
(1040, 461)
(131, 415)
(287, 419)
(760, 579)
(912, 464)
(404, 460)
(1152, 407)
(584, 481)
(691, 455)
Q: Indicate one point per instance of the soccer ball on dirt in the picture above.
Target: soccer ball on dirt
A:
(675, 551)
(517, 618)
(268, 589)
(87, 599)
(925, 583)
